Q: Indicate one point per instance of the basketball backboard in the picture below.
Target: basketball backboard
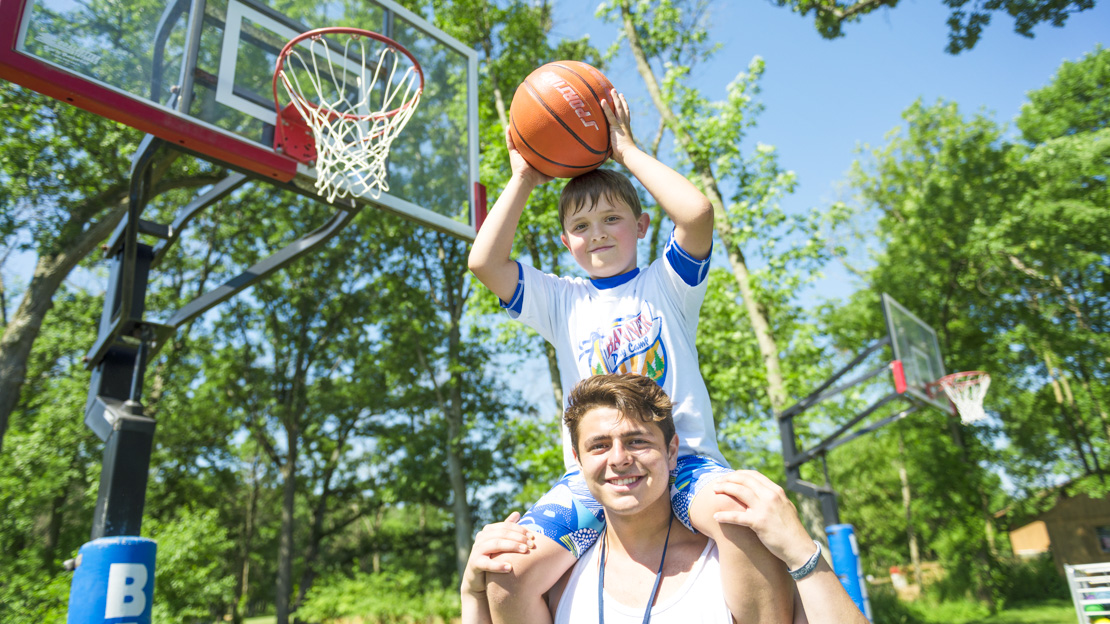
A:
(198, 73)
(915, 345)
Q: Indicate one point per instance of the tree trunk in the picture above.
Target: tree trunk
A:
(1072, 420)
(450, 399)
(245, 549)
(911, 536)
(757, 314)
(456, 426)
(50, 271)
(320, 515)
(1080, 420)
(78, 239)
(460, 508)
(533, 249)
(288, 509)
(1085, 378)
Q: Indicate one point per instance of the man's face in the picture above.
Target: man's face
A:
(602, 238)
(626, 462)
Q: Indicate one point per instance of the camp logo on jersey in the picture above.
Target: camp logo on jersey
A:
(631, 344)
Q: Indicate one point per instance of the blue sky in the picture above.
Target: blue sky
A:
(825, 98)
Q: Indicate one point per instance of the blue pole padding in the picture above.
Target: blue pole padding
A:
(113, 582)
(847, 564)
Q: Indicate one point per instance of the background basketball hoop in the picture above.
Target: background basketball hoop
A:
(350, 92)
(966, 390)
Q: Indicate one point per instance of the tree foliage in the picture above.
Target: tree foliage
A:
(994, 243)
(965, 23)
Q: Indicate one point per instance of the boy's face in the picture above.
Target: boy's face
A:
(602, 238)
(626, 462)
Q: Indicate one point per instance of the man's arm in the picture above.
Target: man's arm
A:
(774, 520)
(490, 259)
(688, 207)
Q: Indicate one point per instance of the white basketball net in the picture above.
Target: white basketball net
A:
(354, 109)
(967, 390)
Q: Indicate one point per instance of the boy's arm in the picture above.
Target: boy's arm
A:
(490, 259)
(688, 207)
(493, 539)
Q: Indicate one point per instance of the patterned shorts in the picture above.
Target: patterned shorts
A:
(569, 514)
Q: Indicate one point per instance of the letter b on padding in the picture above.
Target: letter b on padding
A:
(113, 582)
(126, 597)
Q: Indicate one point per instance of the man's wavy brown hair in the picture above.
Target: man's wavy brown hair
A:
(630, 394)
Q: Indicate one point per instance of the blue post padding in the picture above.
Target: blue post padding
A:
(114, 582)
(847, 564)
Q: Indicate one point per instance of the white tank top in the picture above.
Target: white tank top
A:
(700, 600)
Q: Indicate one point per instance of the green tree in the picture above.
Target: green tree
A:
(279, 356)
(1074, 102)
(65, 174)
(49, 470)
(195, 584)
(994, 244)
(965, 23)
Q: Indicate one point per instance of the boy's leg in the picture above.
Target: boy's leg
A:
(758, 588)
(567, 521)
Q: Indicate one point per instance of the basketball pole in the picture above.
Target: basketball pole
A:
(114, 572)
(843, 548)
(793, 458)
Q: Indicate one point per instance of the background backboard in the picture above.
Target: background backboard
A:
(198, 73)
(915, 344)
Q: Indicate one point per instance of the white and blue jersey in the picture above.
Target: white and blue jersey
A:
(638, 322)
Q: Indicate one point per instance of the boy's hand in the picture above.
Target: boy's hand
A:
(620, 125)
(520, 167)
(494, 539)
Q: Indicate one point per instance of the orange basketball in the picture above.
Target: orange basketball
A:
(556, 120)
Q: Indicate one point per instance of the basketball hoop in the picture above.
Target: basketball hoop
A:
(967, 390)
(353, 92)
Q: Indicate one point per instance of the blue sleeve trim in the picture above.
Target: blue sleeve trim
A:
(690, 269)
(516, 304)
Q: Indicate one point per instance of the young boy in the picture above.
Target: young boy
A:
(622, 319)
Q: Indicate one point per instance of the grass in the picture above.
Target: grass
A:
(963, 612)
(264, 619)
(1041, 612)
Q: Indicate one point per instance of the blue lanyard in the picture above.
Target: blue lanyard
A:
(654, 590)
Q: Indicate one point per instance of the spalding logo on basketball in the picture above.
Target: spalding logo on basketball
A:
(556, 119)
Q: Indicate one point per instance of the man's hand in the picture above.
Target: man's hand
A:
(494, 539)
(769, 513)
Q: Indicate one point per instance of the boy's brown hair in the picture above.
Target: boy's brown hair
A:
(588, 188)
(632, 395)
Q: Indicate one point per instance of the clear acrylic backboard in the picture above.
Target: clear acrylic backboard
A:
(915, 345)
(198, 73)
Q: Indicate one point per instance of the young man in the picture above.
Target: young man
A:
(622, 319)
(648, 567)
